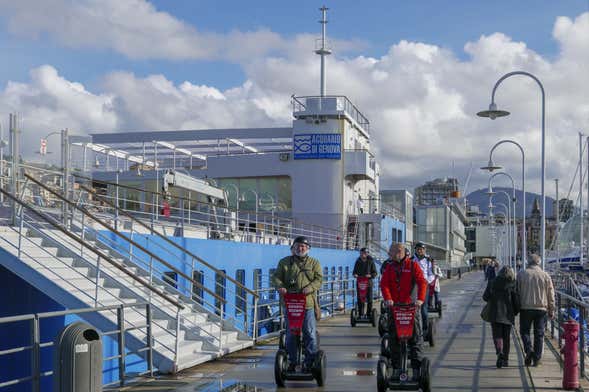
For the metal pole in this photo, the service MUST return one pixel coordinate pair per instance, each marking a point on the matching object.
(581, 145)
(557, 226)
(117, 200)
(1, 162)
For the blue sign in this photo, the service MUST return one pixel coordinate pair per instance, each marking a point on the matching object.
(317, 146)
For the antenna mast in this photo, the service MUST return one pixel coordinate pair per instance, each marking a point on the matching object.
(323, 50)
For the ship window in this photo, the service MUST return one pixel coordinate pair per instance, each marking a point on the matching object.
(197, 291)
(240, 295)
(220, 290)
(171, 278)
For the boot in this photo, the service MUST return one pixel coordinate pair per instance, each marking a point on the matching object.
(499, 362)
(505, 361)
(529, 358)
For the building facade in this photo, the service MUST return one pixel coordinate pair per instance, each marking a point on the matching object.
(436, 191)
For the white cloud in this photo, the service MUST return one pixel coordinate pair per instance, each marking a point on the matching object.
(421, 100)
(134, 28)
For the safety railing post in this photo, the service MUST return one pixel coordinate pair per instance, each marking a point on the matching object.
(20, 234)
(332, 297)
(344, 291)
(582, 340)
(97, 281)
(121, 343)
(153, 212)
(221, 327)
(149, 337)
(255, 323)
(36, 355)
(177, 341)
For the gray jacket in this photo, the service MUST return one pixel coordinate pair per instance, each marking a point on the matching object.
(535, 289)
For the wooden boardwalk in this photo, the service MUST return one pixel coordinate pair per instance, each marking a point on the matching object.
(462, 360)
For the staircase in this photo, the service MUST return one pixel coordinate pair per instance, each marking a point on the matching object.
(78, 267)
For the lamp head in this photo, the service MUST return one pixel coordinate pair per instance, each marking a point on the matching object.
(491, 166)
(493, 112)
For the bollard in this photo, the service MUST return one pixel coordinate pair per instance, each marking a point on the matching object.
(570, 375)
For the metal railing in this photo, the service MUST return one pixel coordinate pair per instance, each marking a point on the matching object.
(568, 307)
(36, 345)
(343, 104)
(151, 263)
(209, 220)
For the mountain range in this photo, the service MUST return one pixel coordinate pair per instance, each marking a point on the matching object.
(481, 199)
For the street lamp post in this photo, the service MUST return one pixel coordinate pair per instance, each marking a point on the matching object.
(490, 190)
(557, 225)
(492, 166)
(513, 236)
(506, 235)
(493, 113)
(509, 238)
(236, 203)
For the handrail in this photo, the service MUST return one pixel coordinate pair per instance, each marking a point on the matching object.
(167, 240)
(294, 221)
(94, 249)
(120, 235)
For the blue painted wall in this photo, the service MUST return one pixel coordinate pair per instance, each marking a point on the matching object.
(19, 297)
(391, 230)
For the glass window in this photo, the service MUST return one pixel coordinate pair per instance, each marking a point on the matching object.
(220, 284)
(197, 291)
(240, 295)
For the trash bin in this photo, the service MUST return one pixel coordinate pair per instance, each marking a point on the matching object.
(77, 364)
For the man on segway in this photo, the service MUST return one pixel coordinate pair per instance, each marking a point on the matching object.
(401, 277)
(365, 267)
(301, 273)
(425, 264)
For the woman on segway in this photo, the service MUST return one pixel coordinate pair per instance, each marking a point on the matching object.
(401, 276)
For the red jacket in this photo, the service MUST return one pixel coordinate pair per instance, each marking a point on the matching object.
(401, 292)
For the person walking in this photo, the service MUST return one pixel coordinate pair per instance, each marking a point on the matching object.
(503, 305)
(536, 294)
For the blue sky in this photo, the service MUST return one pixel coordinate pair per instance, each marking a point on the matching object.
(124, 65)
(378, 24)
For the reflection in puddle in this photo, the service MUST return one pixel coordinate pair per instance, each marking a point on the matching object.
(229, 386)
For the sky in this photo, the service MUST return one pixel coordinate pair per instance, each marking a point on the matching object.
(419, 70)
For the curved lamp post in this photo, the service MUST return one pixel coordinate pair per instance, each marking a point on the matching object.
(509, 240)
(490, 192)
(494, 113)
(506, 232)
(492, 166)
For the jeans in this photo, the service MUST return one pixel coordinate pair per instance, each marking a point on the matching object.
(309, 332)
(424, 313)
(414, 344)
(502, 338)
(360, 305)
(526, 319)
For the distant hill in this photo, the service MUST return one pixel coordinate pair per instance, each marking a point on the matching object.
(480, 198)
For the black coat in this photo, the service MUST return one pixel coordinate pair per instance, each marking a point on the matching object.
(503, 300)
(363, 268)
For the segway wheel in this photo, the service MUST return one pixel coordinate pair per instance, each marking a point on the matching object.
(431, 333)
(280, 366)
(374, 318)
(385, 345)
(282, 340)
(353, 317)
(382, 324)
(320, 368)
(424, 376)
(382, 381)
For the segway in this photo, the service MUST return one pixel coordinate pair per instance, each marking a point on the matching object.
(295, 314)
(369, 316)
(437, 305)
(389, 377)
(432, 320)
(384, 320)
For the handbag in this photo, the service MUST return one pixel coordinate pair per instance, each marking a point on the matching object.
(486, 313)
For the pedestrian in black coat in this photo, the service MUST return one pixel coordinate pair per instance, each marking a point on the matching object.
(504, 305)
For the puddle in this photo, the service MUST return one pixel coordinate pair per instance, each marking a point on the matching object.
(229, 386)
(359, 372)
(240, 360)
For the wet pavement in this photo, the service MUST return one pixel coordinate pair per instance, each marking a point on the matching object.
(463, 358)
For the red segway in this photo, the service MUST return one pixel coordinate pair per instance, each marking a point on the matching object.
(369, 316)
(387, 375)
(295, 314)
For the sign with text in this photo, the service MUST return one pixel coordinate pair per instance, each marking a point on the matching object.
(317, 146)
